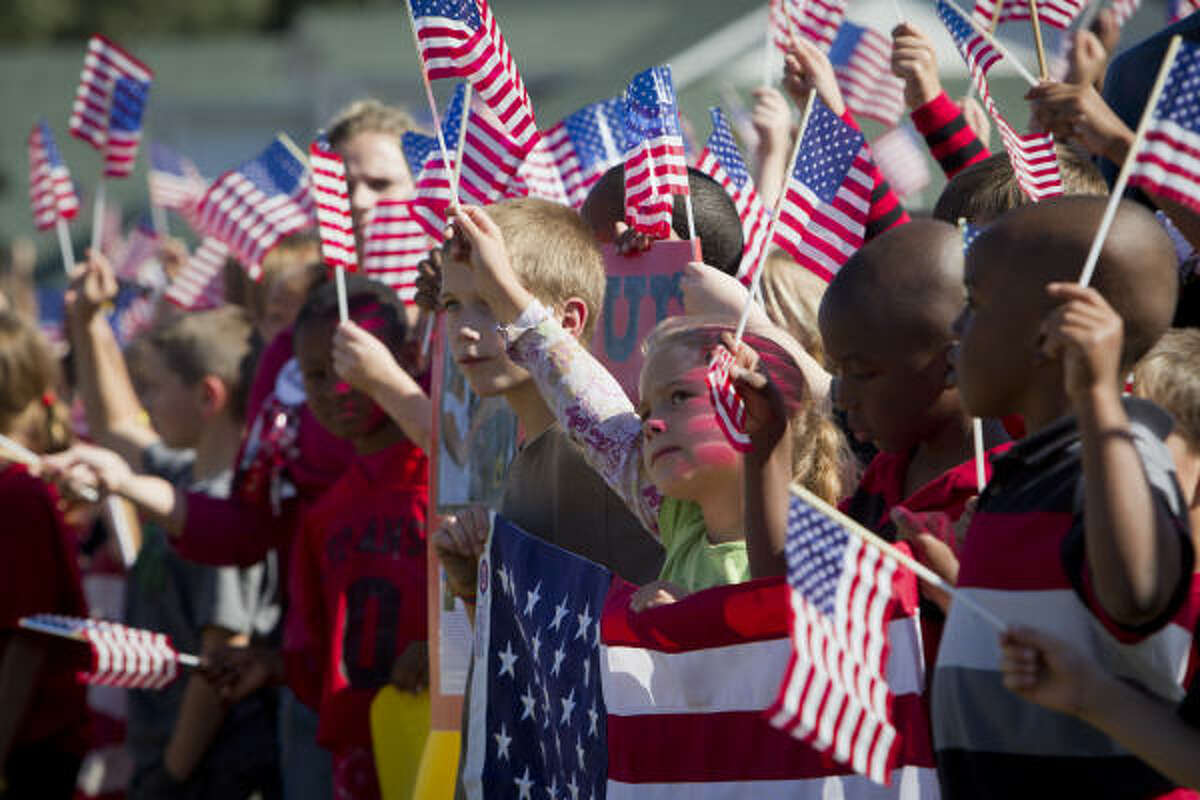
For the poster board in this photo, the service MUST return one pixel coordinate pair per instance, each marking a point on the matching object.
(640, 291)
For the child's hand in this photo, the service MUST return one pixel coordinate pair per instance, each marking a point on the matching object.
(410, 670)
(1046, 671)
(1087, 60)
(173, 254)
(1078, 112)
(766, 415)
(1085, 333)
(429, 281)
(708, 291)
(932, 537)
(458, 542)
(977, 119)
(805, 69)
(87, 465)
(656, 593)
(630, 241)
(93, 284)
(914, 60)
(481, 244)
(360, 359)
(238, 672)
(772, 120)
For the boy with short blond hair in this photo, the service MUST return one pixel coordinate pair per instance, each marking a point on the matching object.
(1082, 530)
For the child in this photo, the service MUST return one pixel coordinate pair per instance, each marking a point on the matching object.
(1052, 673)
(194, 377)
(1082, 529)
(669, 462)
(288, 270)
(358, 575)
(43, 716)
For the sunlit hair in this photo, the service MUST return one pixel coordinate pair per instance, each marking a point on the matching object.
(791, 297)
(29, 374)
(368, 116)
(1170, 375)
(821, 458)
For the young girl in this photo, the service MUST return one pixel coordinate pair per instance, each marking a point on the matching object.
(43, 717)
(669, 461)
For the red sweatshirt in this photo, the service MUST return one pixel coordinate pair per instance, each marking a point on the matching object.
(951, 140)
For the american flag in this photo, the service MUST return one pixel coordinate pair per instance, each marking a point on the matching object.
(1034, 160)
(727, 403)
(667, 702)
(130, 658)
(817, 21)
(823, 217)
(903, 159)
(109, 103)
(51, 193)
(862, 63)
(201, 282)
(1176, 10)
(136, 262)
(332, 200)
(587, 144)
(835, 693)
(393, 245)
(175, 182)
(1165, 163)
(722, 161)
(970, 232)
(655, 165)
(490, 160)
(461, 39)
(1055, 13)
(134, 317)
(538, 176)
(417, 148)
(253, 206)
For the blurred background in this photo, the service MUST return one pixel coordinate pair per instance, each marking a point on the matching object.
(230, 73)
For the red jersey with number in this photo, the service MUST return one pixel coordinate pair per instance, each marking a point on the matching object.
(358, 588)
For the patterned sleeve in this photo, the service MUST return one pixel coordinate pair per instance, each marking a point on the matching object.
(951, 140)
(594, 411)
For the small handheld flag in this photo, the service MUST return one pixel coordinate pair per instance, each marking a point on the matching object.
(655, 164)
(51, 193)
(109, 103)
(129, 658)
(586, 144)
(332, 200)
(727, 403)
(862, 64)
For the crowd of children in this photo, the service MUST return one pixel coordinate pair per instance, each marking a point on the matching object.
(275, 456)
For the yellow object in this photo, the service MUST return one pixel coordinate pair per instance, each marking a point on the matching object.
(399, 728)
(439, 766)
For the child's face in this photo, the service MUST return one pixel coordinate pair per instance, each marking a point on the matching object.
(476, 345)
(176, 409)
(895, 391)
(685, 454)
(375, 170)
(344, 411)
(998, 338)
(285, 296)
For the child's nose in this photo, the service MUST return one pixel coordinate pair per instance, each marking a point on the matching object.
(653, 427)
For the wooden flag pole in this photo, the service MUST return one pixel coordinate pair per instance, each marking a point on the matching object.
(437, 122)
(687, 198)
(1037, 40)
(996, 12)
(891, 551)
(64, 245)
(980, 468)
(295, 148)
(762, 256)
(462, 139)
(994, 42)
(98, 215)
(1110, 211)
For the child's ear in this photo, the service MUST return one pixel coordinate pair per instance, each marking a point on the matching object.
(214, 395)
(574, 316)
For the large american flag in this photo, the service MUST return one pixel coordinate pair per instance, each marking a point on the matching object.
(669, 702)
(862, 63)
(130, 658)
(175, 182)
(722, 161)
(586, 144)
(252, 206)
(200, 284)
(823, 216)
(817, 21)
(332, 200)
(655, 164)
(393, 245)
(1034, 160)
(1055, 13)
(461, 39)
(835, 693)
(51, 193)
(109, 102)
(490, 160)
(1165, 164)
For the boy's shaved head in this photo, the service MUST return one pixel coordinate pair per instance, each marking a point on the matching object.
(909, 280)
(1039, 244)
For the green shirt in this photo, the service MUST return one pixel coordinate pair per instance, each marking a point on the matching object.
(692, 561)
